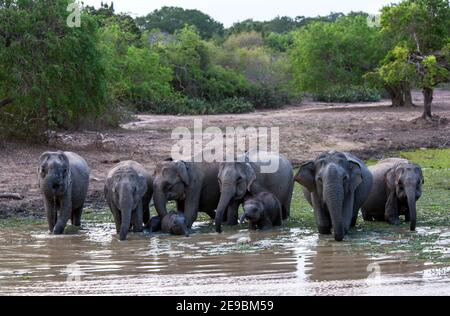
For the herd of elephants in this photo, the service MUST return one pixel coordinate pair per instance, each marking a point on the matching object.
(336, 184)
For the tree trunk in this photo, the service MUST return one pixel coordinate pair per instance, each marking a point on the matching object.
(396, 94)
(427, 101)
(408, 96)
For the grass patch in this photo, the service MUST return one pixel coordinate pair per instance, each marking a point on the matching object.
(23, 222)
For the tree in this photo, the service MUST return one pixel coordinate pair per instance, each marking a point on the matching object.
(135, 75)
(51, 74)
(172, 19)
(326, 55)
(395, 75)
(423, 26)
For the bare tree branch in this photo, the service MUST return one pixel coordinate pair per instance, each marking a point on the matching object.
(12, 196)
(6, 101)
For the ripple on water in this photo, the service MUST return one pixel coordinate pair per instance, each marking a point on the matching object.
(281, 261)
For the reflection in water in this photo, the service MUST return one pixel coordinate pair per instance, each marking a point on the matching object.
(282, 262)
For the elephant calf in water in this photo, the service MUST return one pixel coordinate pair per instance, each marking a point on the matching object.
(263, 211)
(173, 223)
(397, 185)
(64, 180)
(128, 191)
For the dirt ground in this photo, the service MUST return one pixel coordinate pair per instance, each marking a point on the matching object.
(368, 130)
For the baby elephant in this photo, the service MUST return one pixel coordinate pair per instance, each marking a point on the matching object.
(397, 185)
(64, 180)
(128, 191)
(175, 223)
(263, 211)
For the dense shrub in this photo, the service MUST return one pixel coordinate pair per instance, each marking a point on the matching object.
(228, 105)
(135, 75)
(265, 97)
(53, 73)
(349, 94)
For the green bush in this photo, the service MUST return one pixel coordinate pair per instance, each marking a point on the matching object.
(55, 74)
(234, 105)
(349, 94)
(264, 97)
(228, 105)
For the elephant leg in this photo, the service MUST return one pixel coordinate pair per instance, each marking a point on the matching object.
(211, 214)
(407, 216)
(76, 216)
(286, 206)
(232, 213)
(180, 206)
(66, 212)
(191, 215)
(137, 217)
(391, 214)
(323, 219)
(366, 216)
(146, 215)
(252, 226)
(266, 224)
(52, 213)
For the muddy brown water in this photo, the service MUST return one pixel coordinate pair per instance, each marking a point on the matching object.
(288, 261)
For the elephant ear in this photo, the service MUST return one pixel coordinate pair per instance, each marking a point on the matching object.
(355, 175)
(142, 185)
(391, 192)
(62, 156)
(418, 170)
(306, 176)
(182, 171)
(42, 166)
(250, 174)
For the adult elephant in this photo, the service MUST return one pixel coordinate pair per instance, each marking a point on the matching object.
(246, 177)
(63, 180)
(128, 191)
(193, 185)
(397, 185)
(336, 185)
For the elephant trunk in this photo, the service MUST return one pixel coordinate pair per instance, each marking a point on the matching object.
(126, 208)
(333, 194)
(411, 197)
(225, 199)
(160, 200)
(243, 218)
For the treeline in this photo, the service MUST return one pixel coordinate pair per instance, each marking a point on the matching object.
(184, 62)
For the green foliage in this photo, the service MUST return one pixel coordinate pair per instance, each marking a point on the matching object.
(228, 105)
(279, 42)
(349, 94)
(328, 54)
(423, 24)
(248, 40)
(173, 19)
(135, 75)
(54, 73)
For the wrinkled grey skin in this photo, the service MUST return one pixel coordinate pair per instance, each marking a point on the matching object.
(155, 224)
(175, 223)
(63, 180)
(336, 185)
(397, 185)
(128, 191)
(262, 211)
(192, 185)
(239, 179)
